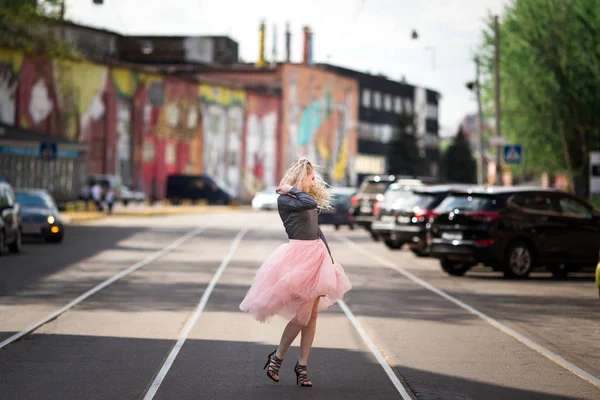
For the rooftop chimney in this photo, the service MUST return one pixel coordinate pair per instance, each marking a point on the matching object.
(274, 58)
(308, 46)
(288, 42)
(261, 56)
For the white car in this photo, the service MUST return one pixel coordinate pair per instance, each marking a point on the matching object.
(265, 199)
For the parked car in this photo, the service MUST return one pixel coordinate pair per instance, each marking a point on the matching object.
(10, 220)
(197, 187)
(514, 230)
(266, 199)
(131, 196)
(40, 216)
(385, 212)
(339, 213)
(370, 192)
(403, 218)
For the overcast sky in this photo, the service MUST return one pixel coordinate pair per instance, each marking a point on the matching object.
(366, 35)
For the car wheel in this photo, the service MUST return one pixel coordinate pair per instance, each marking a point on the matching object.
(374, 237)
(519, 261)
(15, 247)
(351, 227)
(337, 227)
(2, 243)
(393, 244)
(453, 268)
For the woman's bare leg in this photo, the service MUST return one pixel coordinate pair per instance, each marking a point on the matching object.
(308, 334)
(291, 331)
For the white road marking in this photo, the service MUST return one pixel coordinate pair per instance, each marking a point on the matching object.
(527, 342)
(183, 335)
(384, 364)
(104, 284)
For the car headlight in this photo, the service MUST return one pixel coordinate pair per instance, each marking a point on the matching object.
(51, 219)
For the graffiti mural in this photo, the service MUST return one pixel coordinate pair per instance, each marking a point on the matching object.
(223, 113)
(168, 131)
(260, 150)
(320, 120)
(81, 89)
(10, 68)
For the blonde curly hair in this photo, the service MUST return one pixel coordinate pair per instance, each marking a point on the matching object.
(298, 171)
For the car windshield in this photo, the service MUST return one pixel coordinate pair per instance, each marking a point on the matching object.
(397, 197)
(372, 187)
(422, 200)
(38, 200)
(466, 202)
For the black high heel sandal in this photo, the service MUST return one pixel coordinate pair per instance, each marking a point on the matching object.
(302, 377)
(274, 364)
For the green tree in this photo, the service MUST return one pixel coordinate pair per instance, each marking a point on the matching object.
(403, 157)
(457, 163)
(550, 83)
(31, 26)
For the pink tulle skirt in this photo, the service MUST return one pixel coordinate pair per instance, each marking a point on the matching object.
(291, 279)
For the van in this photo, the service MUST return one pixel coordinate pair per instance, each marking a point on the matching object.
(197, 187)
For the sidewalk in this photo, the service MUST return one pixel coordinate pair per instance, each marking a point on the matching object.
(146, 210)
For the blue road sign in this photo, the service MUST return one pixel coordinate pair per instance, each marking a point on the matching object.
(48, 151)
(513, 154)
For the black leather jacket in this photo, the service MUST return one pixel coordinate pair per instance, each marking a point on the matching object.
(300, 217)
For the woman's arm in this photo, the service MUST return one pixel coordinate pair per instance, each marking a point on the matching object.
(301, 201)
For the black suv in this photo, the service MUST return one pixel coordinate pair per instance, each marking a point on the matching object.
(514, 230)
(404, 219)
(10, 221)
(369, 195)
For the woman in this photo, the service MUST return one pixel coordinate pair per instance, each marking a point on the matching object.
(299, 279)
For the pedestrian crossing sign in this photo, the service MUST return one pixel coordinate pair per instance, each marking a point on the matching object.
(513, 154)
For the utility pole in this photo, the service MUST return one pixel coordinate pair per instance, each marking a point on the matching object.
(480, 179)
(497, 96)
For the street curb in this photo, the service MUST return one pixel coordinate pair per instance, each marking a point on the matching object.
(77, 216)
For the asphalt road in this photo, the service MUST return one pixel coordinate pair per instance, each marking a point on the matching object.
(171, 327)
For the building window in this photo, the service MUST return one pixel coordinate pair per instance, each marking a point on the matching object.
(370, 164)
(366, 131)
(148, 152)
(387, 103)
(377, 100)
(170, 154)
(386, 133)
(408, 107)
(366, 98)
(432, 111)
(398, 105)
